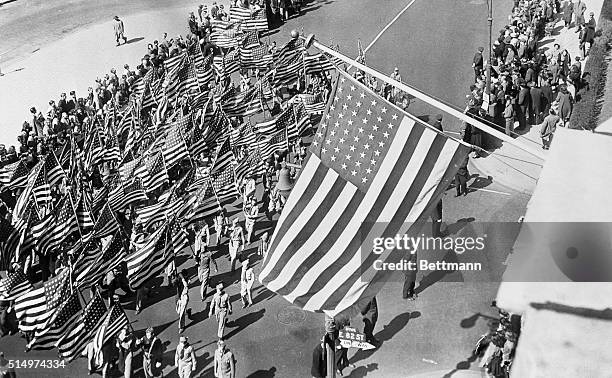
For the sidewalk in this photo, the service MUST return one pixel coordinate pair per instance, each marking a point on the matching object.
(509, 165)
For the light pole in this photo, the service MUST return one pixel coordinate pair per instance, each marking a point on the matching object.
(490, 21)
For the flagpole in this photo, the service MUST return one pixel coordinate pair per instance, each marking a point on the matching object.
(75, 214)
(310, 40)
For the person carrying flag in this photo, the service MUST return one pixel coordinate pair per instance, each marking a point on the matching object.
(236, 241)
(251, 212)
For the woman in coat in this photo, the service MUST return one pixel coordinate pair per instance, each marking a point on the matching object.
(565, 103)
(565, 62)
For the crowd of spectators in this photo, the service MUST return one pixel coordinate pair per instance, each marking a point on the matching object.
(529, 82)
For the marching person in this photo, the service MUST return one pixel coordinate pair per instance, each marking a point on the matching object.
(119, 31)
(202, 239)
(249, 188)
(221, 307)
(204, 259)
(262, 249)
(127, 347)
(251, 212)
(152, 354)
(247, 278)
(182, 289)
(225, 362)
(236, 241)
(220, 224)
(184, 358)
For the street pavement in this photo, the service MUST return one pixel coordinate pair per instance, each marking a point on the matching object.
(432, 43)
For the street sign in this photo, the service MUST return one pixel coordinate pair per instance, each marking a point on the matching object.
(351, 338)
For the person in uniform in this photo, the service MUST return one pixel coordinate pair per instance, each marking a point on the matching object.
(251, 212)
(262, 249)
(183, 299)
(152, 354)
(221, 307)
(127, 347)
(220, 224)
(247, 278)
(225, 362)
(249, 188)
(202, 238)
(236, 241)
(184, 358)
(204, 259)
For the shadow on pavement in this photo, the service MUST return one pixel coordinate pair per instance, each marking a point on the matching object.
(362, 371)
(244, 321)
(437, 275)
(264, 294)
(133, 40)
(463, 365)
(386, 334)
(270, 373)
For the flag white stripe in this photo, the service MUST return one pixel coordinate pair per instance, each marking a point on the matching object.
(370, 198)
(363, 281)
(307, 174)
(324, 227)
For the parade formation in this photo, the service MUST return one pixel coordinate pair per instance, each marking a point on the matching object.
(221, 160)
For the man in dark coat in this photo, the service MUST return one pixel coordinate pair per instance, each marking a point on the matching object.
(370, 316)
(523, 103)
(410, 276)
(535, 93)
(547, 96)
(319, 360)
(478, 63)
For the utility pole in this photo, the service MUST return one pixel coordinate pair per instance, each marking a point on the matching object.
(490, 21)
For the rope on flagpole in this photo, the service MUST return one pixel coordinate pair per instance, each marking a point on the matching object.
(310, 41)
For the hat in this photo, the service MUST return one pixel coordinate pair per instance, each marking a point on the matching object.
(592, 14)
(182, 339)
(438, 117)
(396, 69)
(116, 17)
(219, 285)
(481, 49)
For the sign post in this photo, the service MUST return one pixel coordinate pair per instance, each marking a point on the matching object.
(351, 338)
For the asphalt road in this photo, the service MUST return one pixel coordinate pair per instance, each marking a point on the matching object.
(432, 44)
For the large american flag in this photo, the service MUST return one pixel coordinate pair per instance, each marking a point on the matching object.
(201, 205)
(106, 223)
(223, 183)
(150, 259)
(175, 149)
(258, 21)
(255, 57)
(14, 285)
(374, 171)
(224, 156)
(114, 321)
(14, 174)
(47, 336)
(56, 226)
(277, 142)
(239, 13)
(72, 343)
(97, 265)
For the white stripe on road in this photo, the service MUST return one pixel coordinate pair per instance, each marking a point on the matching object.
(388, 26)
(490, 191)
